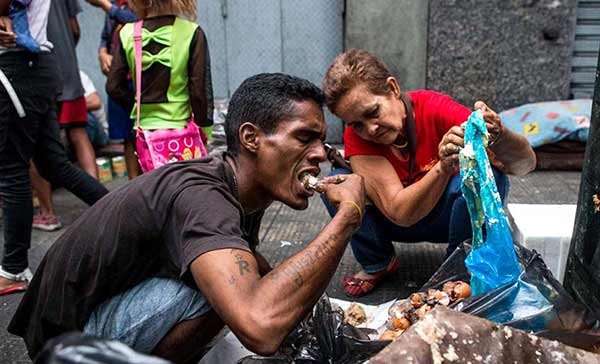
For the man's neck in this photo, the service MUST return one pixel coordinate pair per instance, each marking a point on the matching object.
(252, 195)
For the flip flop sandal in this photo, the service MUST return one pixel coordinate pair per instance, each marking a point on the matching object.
(357, 287)
(19, 287)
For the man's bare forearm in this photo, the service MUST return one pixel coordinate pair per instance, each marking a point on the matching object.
(290, 290)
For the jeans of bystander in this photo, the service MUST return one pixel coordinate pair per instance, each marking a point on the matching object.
(35, 136)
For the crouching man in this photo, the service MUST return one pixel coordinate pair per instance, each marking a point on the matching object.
(164, 261)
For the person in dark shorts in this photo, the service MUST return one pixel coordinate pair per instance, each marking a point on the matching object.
(164, 261)
(29, 131)
(63, 32)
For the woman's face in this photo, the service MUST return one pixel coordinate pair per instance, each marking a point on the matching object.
(376, 118)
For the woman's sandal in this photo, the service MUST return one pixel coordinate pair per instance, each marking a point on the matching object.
(357, 287)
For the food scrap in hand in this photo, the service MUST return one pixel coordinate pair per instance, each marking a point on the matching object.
(355, 315)
(407, 312)
(311, 182)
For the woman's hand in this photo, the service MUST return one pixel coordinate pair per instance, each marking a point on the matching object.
(448, 149)
(492, 122)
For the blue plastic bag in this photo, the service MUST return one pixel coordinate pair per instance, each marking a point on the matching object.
(493, 262)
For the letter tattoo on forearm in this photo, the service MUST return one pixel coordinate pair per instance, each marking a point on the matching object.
(294, 268)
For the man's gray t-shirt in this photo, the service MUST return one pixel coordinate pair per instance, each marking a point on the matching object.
(60, 34)
(156, 225)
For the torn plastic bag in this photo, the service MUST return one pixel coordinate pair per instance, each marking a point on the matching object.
(492, 262)
(76, 347)
(323, 337)
(556, 315)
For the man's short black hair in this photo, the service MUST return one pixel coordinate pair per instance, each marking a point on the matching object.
(264, 100)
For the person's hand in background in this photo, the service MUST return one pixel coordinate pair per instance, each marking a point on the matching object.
(105, 60)
(8, 38)
(102, 4)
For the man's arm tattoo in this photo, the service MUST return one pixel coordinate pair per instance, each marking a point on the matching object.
(242, 264)
(310, 257)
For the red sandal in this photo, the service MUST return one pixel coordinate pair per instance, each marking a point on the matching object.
(19, 287)
(21, 281)
(357, 287)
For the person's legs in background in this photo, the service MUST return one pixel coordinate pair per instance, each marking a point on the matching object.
(86, 156)
(53, 165)
(35, 84)
(131, 160)
(73, 116)
(46, 218)
(95, 132)
(120, 127)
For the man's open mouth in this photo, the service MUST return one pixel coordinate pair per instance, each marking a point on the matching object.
(309, 181)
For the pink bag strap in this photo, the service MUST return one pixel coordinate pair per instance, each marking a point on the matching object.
(137, 42)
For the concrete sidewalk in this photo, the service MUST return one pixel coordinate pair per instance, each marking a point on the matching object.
(285, 231)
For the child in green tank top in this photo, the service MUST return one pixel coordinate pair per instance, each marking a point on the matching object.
(176, 80)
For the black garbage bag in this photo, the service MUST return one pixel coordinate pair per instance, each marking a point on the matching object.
(323, 337)
(76, 347)
(536, 302)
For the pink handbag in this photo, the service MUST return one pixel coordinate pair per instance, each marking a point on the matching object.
(158, 147)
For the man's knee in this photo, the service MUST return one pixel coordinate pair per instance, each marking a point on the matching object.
(143, 315)
(187, 340)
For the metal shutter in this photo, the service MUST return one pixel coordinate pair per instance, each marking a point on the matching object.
(585, 53)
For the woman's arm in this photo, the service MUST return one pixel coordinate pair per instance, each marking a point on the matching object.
(511, 149)
(405, 206)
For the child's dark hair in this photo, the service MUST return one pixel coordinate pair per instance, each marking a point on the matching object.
(264, 100)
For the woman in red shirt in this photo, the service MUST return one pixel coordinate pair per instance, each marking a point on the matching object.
(409, 162)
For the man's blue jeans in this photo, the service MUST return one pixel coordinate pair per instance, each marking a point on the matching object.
(448, 222)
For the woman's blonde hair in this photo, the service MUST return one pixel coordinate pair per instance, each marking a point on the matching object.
(183, 8)
(352, 68)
